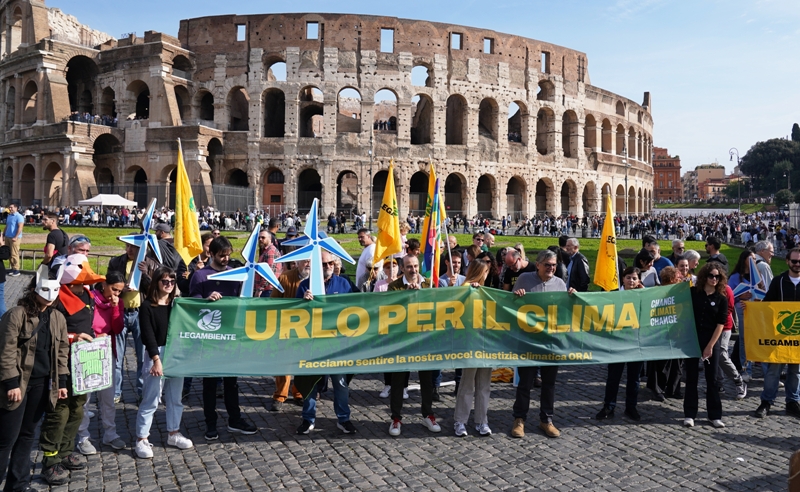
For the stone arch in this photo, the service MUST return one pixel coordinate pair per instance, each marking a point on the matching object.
(309, 186)
(139, 94)
(569, 134)
(81, 74)
(237, 177)
(108, 103)
(456, 120)
(632, 142)
(16, 29)
(422, 75)
(640, 201)
(169, 175)
(546, 92)
(544, 196)
(30, 97)
(8, 182)
(619, 199)
(272, 181)
(184, 102)
(486, 195)
(516, 197)
(621, 140)
(238, 103)
(545, 129)
(204, 102)
(590, 132)
(348, 116)
(140, 188)
(214, 153)
(589, 199)
(384, 110)
(518, 122)
(605, 191)
(620, 108)
(347, 192)
(51, 185)
(422, 120)
(418, 192)
(607, 137)
(182, 67)
(107, 155)
(639, 146)
(631, 200)
(311, 113)
(569, 198)
(274, 67)
(11, 107)
(455, 196)
(274, 104)
(27, 184)
(488, 113)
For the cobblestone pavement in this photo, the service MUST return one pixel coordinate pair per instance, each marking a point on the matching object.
(654, 454)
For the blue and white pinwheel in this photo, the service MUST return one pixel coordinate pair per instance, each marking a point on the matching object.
(751, 285)
(141, 241)
(311, 246)
(247, 273)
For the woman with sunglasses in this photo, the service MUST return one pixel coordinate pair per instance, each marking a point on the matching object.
(710, 305)
(154, 318)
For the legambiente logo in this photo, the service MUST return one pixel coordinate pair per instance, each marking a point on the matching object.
(789, 323)
(210, 320)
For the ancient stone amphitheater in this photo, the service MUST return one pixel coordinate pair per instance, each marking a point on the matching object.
(275, 110)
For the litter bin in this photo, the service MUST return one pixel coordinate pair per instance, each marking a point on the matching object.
(584, 232)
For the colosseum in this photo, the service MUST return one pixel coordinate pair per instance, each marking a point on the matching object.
(275, 110)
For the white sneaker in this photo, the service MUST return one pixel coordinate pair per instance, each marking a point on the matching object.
(741, 391)
(717, 423)
(86, 448)
(483, 429)
(687, 422)
(460, 429)
(405, 393)
(143, 449)
(394, 428)
(179, 441)
(746, 377)
(385, 392)
(430, 423)
(780, 384)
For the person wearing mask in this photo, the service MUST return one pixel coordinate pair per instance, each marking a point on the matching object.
(334, 284)
(630, 281)
(57, 240)
(60, 425)
(411, 280)
(214, 290)
(12, 235)
(710, 307)
(154, 318)
(543, 279)
(784, 287)
(34, 368)
(107, 321)
(475, 382)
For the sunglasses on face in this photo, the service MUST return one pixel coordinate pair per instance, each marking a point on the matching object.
(168, 281)
(549, 265)
(794, 262)
(715, 277)
(329, 264)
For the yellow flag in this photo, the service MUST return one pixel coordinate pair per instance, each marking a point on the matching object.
(605, 272)
(389, 240)
(774, 332)
(187, 231)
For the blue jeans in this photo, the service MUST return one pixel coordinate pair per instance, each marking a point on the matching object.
(2, 298)
(772, 376)
(153, 386)
(341, 395)
(131, 325)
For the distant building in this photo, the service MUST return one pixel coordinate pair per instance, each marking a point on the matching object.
(667, 184)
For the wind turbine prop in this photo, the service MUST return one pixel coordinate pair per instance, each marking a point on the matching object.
(247, 273)
(310, 248)
(752, 284)
(141, 241)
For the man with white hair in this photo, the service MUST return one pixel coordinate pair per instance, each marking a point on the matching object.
(578, 269)
(764, 252)
(678, 248)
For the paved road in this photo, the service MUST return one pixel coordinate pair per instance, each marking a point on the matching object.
(654, 454)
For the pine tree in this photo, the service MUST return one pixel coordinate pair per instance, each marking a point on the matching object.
(795, 133)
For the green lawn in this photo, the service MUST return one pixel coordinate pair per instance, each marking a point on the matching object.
(105, 243)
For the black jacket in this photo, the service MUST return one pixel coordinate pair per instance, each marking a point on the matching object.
(579, 275)
(782, 289)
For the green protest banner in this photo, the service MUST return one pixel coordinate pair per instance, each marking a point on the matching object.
(428, 329)
(91, 365)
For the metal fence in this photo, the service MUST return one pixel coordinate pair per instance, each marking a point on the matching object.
(225, 198)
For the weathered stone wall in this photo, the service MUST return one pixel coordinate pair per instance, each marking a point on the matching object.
(65, 27)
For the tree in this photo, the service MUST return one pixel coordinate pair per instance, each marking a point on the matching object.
(760, 160)
(795, 133)
(797, 197)
(733, 189)
(783, 198)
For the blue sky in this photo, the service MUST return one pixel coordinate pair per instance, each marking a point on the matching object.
(721, 74)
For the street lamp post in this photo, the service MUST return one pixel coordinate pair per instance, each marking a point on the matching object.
(371, 159)
(733, 151)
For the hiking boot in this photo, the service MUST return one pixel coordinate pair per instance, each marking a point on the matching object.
(73, 462)
(56, 474)
(518, 429)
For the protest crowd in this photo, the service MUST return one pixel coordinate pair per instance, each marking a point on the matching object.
(68, 302)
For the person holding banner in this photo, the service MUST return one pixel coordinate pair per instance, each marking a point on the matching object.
(154, 318)
(785, 287)
(107, 321)
(710, 306)
(34, 369)
(543, 279)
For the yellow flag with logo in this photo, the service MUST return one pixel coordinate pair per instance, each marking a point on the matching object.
(389, 241)
(187, 230)
(773, 332)
(605, 271)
